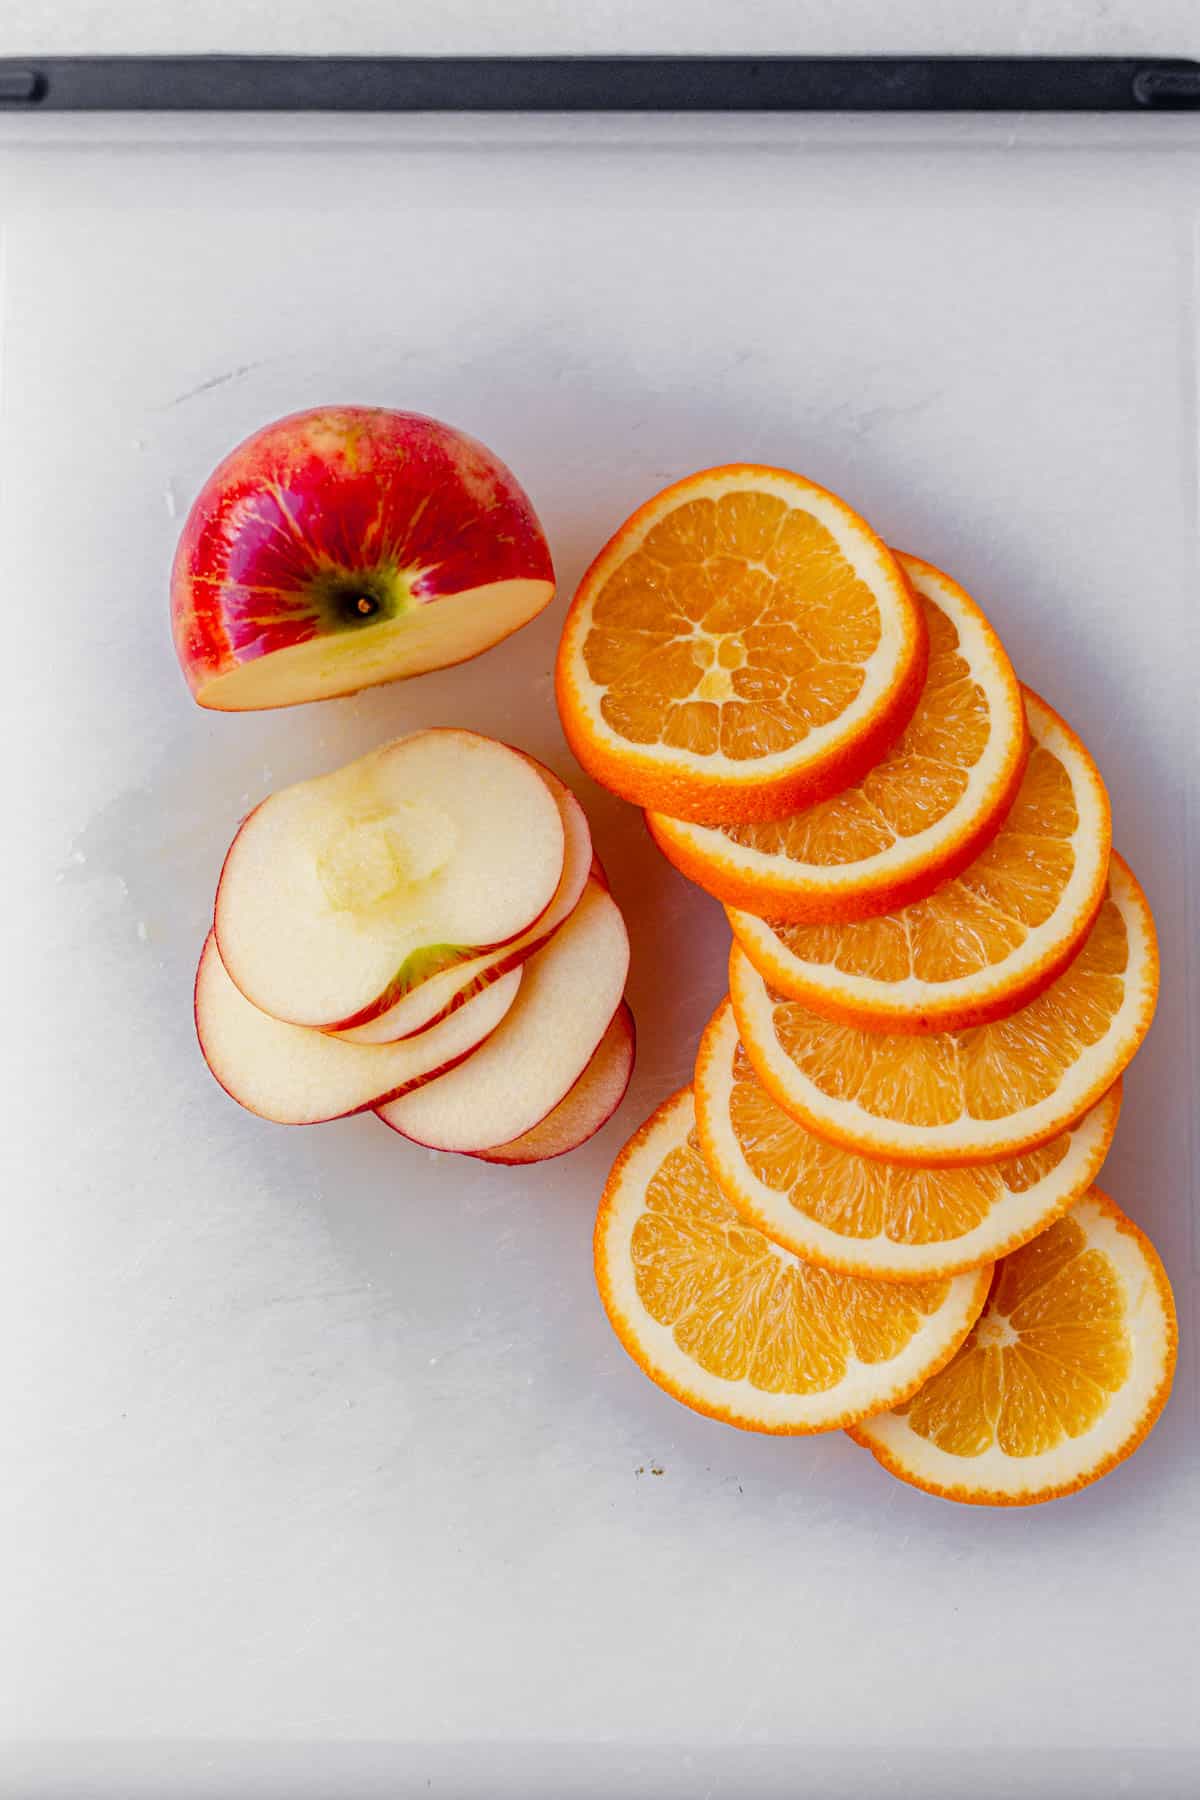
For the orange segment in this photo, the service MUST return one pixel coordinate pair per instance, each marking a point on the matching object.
(862, 1216)
(976, 1095)
(1060, 1379)
(735, 1327)
(744, 644)
(914, 819)
(741, 615)
(981, 945)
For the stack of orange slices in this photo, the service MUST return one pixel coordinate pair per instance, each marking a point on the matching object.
(874, 1207)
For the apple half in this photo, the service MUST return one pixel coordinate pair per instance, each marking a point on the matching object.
(425, 1004)
(350, 545)
(296, 1076)
(570, 992)
(342, 894)
(587, 1106)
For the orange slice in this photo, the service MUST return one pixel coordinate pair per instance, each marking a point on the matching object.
(739, 1329)
(853, 1213)
(973, 1096)
(914, 819)
(743, 645)
(980, 945)
(1066, 1371)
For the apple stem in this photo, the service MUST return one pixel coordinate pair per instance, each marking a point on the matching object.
(366, 606)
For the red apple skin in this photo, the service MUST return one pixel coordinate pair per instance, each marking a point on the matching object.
(512, 1156)
(328, 505)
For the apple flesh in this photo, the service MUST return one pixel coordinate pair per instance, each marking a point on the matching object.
(346, 546)
(571, 990)
(342, 894)
(425, 1004)
(589, 1104)
(296, 1076)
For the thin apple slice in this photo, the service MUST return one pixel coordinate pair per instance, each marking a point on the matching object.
(571, 990)
(426, 1004)
(341, 894)
(589, 1104)
(297, 1076)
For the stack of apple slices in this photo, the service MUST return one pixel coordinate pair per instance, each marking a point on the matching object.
(425, 933)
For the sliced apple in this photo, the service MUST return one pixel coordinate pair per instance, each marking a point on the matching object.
(571, 990)
(588, 1105)
(342, 894)
(424, 1005)
(350, 545)
(297, 1076)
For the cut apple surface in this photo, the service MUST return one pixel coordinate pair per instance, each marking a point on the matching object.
(589, 1104)
(425, 1004)
(342, 894)
(346, 546)
(571, 990)
(297, 1076)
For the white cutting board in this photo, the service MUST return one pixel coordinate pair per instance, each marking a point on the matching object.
(322, 1471)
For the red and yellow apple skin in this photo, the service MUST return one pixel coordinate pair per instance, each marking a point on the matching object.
(346, 546)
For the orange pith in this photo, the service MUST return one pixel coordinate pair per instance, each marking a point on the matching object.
(753, 1334)
(918, 816)
(868, 1217)
(907, 1206)
(976, 919)
(736, 627)
(1049, 1348)
(743, 642)
(920, 780)
(739, 1311)
(1060, 1378)
(982, 943)
(972, 1095)
(915, 784)
(989, 1072)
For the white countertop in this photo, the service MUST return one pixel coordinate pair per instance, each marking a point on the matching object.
(415, 27)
